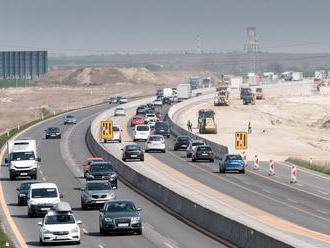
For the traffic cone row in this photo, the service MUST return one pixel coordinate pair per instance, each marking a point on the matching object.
(271, 172)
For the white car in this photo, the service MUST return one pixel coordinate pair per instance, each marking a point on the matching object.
(120, 112)
(59, 225)
(156, 143)
(116, 134)
(150, 117)
(158, 103)
(141, 132)
(122, 100)
(42, 197)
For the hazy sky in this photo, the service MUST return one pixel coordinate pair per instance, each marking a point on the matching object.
(87, 26)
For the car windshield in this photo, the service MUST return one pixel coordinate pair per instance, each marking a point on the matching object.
(120, 207)
(98, 186)
(156, 138)
(26, 186)
(53, 129)
(44, 193)
(204, 149)
(234, 157)
(162, 125)
(142, 128)
(119, 109)
(133, 148)
(69, 116)
(101, 167)
(59, 219)
(115, 128)
(259, 90)
(17, 156)
(197, 144)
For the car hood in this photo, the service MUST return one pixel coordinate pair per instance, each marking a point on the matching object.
(23, 163)
(24, 192)
(121, 214)
(44, 201)
(60, 227)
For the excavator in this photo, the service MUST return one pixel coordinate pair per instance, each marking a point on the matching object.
(222, 96)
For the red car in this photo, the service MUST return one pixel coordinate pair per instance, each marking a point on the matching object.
(158, 115)
(137, 120)
(88, 162)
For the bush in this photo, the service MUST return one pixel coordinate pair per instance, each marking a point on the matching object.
(304, 163)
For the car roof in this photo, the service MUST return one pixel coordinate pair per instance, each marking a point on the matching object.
(97, 181)
(155, 135)
(96, 159)
(130, 201)
(43, 185)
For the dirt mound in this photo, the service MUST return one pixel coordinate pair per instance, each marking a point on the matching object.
(98, 76)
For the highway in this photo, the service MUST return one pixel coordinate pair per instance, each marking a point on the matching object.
(299, 204)
(61, 164)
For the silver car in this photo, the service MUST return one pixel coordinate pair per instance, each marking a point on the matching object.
(96, 193)
(70, 119)
(120, 112)
(192, 145)
(155, 143)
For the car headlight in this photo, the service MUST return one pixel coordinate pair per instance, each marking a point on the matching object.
(111, 195)
(46, 231)
(113, 176)
(75, 230)
(33, 203)
(57, 133)
(108, 219)
(22, 195)
(135, 219)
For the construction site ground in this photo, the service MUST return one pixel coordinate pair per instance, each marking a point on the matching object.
(292, 121)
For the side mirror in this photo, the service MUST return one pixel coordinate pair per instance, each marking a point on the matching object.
(39, 159)
(6, 160)
(139, 209)
(39, 223)
(61, 195)
(79, 222)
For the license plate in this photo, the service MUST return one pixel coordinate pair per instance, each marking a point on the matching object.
(23, 174)
(122, 224)
(204, 154)
(45, 209)
(133, 156)
(60, 237)
(99, 202)
(183, 145)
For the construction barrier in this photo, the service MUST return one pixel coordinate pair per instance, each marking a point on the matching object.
(244, 158)
(293, 174)
(271, 168)
(256, 162)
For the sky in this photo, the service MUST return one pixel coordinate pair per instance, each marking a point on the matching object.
(74, 27)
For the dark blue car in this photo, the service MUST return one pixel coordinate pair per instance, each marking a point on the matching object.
(231, 162)
(162, 128)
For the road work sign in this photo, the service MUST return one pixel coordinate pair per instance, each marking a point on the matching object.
(106, 129)
(241, 140)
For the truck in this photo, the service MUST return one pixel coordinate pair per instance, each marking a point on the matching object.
(167, 92)
(321, 74)
(22, 158)
(297, 76)
(194, 82)
(222, 97)
(236, 82)
(207, 82)
(184, 91)
(249, 98)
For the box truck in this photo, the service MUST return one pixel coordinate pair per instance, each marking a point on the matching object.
(184, 91)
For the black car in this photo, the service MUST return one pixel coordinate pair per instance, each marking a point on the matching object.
(162, 128)
(102, 171)
(167, 100)
(120, 216)
(53, 132)
(22, 192)
(203, 153)
(141, 110)
(181, 142)
(133, 152)
(150, 107)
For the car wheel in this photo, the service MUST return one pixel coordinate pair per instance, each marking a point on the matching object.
(134, 140)
(29, 213)
(41, 242)
(175, 149)
(142, 159)
(83, 206)
(46, 137)
(11, 177)
(59, 136)
(146, 151)
(102, 231)
(19, 202)
(211, 160)
(124, 159)
(105, 141)
(194, 160)
(120, 141)
(163, 151)
(139, 232)
(243, 171)
(64, 123)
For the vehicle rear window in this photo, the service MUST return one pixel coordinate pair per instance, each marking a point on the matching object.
(137, 118)
(115, 129)
(156, 138)
(133, 147)
(234, 157)
(142, 128)
(198, 144)
(183, 138)
(204, 149)
(119, 109)
(162, 125)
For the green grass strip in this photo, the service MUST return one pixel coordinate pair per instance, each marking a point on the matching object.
(304, 163)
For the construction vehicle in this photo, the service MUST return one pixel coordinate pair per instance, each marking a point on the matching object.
(259, 94)
(249, 98)
(222, 97)
(244, 91)
(206, 122)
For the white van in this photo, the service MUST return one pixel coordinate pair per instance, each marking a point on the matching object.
(22, 158)
(142, 132)
(42, 197)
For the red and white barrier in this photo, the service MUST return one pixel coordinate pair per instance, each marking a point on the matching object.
(271, 168)
(244, 158)
(256, 162)
(310, 160)
(293, 174)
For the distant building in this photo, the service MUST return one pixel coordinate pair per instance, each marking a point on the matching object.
(23, 64)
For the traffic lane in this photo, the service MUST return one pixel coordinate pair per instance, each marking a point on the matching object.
(253, 190)
(175, 231)
(52, 169)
